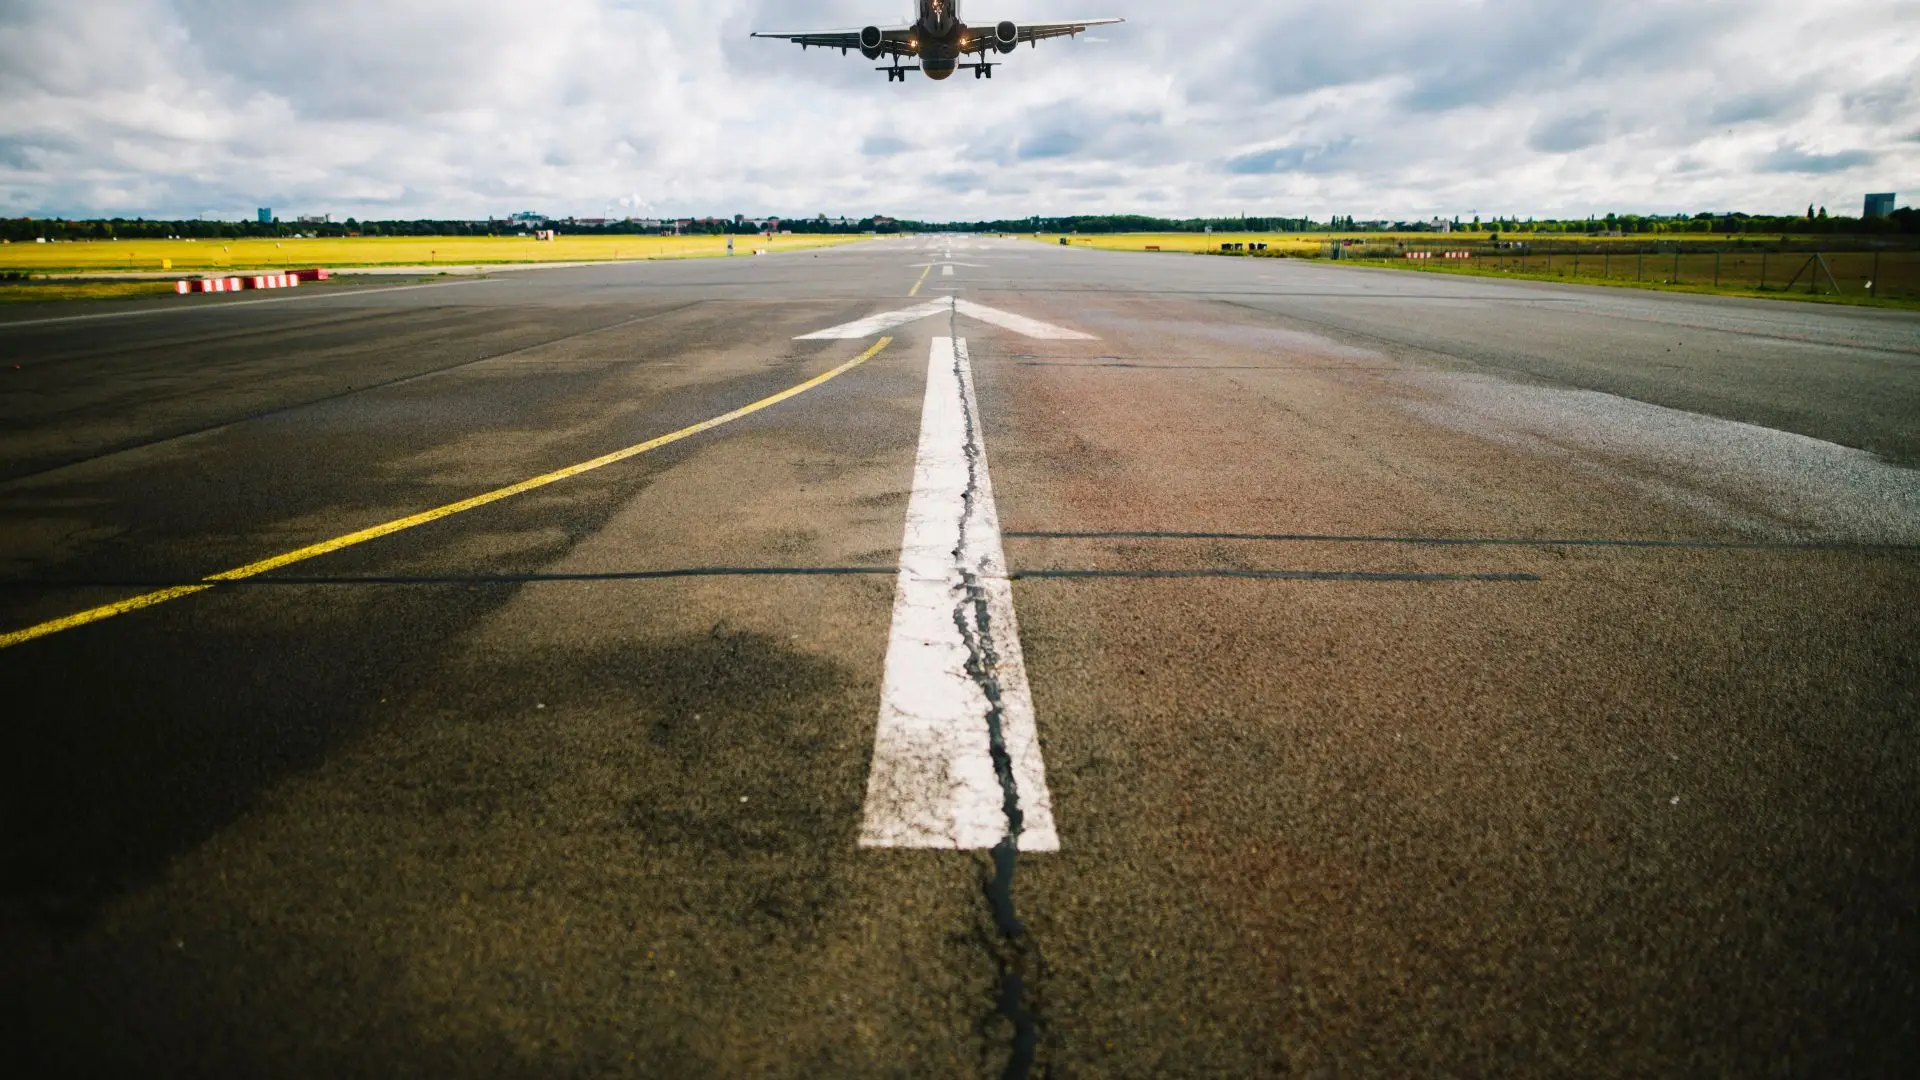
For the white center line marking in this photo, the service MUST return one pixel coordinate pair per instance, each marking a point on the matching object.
(954, 671)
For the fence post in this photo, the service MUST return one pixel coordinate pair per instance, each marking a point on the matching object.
(1639, 266)
(1763, 272)
(1873, 283)
(1676, 264)
(1576, 264)
(1716, 269)
(1606, 264)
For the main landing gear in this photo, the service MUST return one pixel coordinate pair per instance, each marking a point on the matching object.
(981, 71)
(896, 73)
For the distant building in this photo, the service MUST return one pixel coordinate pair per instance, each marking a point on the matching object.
(266, 215)
(1879, 205)
(316, 219)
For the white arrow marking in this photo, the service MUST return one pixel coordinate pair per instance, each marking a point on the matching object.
(954, 652)
(946, 270)
(1019, 324)
(873, 325)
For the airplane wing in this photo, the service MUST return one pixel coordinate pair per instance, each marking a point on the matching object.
(1036, 32)
(894, 40)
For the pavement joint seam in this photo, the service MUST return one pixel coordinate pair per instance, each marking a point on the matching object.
(474, 579)
(1017, 953)
(1476, 541)
(1274, 575)
(758, 571)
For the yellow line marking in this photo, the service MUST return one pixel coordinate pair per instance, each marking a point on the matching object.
(108, 611)
(922, 281)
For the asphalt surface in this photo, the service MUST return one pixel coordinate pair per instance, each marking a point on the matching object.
(1435, 676)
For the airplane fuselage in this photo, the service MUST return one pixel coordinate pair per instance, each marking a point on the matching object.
(936, 42)
(940, 36)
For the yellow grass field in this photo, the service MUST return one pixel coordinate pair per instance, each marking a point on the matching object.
(1891, 279)
(200, 256)
(1310, 243)
(48, 292)
(1588, 260)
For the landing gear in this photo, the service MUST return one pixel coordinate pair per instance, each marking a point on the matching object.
(897, 73)
(981, 70)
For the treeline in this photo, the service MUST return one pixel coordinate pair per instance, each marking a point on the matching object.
(1123, 223)
(1902, 222)
(30, 229)
(1816, 222)
(27, 230)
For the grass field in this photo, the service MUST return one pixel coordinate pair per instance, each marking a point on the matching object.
(1887, 279)
(47, 292)
(1746, 274)
(201, 256)
(1311, 243)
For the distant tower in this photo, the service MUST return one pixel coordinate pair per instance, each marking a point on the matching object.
(266, 215)
(1879, 205)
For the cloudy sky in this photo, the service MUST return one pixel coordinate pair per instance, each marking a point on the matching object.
(1376, 108)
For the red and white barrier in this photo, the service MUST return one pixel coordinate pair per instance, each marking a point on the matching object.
(289, 280)
(1459, 255)
(205, 285)
(1419, 254)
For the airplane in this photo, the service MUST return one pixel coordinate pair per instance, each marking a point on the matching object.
(939, 40)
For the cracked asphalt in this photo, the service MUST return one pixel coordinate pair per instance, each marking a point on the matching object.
(1435, 676)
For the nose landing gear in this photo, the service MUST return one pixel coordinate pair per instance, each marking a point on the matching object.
(897, 73)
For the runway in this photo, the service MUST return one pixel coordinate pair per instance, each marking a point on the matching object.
(936, 655)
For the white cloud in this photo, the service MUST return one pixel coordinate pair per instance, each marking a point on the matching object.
(1400, 107)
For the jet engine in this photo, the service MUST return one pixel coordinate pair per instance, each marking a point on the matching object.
(1006, 36)
(870, 41)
